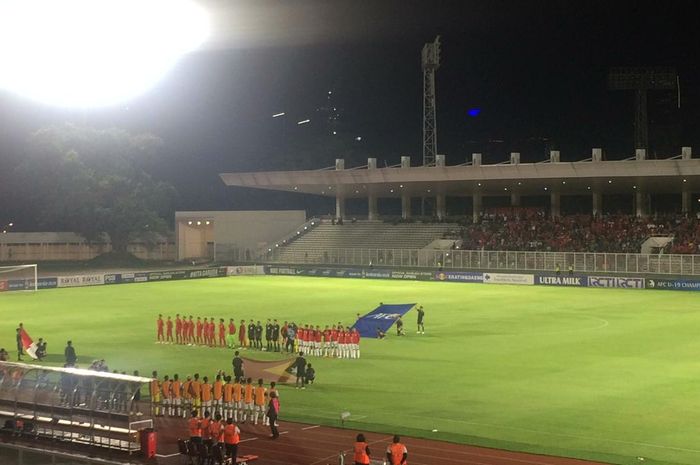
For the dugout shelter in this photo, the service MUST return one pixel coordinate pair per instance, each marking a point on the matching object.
(73, 405)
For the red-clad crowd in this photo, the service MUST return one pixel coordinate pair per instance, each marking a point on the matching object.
(579, 233)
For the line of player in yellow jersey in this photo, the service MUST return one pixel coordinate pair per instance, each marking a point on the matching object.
(231, 398)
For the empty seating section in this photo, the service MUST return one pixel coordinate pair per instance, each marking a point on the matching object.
(310, 247)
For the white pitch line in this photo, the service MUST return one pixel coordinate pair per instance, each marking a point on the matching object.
(311, 427)
(284, 432)
(249, 439)
(166, 456)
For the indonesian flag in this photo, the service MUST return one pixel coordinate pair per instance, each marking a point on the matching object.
(28, 345)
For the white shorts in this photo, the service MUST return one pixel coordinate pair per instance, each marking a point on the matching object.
(167, 401)
(317, 345)
(176, 401)
(206, 404)
(249, 406)
(238, 404)
(218, 402)
(334, 344)
(228, 405)
(259, 408)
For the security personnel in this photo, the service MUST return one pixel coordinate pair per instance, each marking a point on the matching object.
(195, 427)
(232, 436)
(361, 451)
(216, 429)
(397, 453)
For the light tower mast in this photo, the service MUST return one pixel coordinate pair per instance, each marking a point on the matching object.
(430, 60)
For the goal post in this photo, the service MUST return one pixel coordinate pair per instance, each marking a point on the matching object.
(19, 278)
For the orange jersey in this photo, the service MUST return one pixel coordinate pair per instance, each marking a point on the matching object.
(228, 392)
(231, 434)
(396, 451)
(206, 392)
(218, 390)
(175, 387)
(205, 428)
(259, 395)
(248, 393)
(237, 392)
(186, 389)
(196, 388)
(195, 427)
(216, 430)
(165, 387)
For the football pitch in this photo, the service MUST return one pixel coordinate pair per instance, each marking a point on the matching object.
(603, 374)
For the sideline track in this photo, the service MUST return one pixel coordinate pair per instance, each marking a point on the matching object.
(303, 444)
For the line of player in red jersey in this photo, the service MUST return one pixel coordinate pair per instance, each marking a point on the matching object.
(335, 341)
(332, 341)
(195, 332)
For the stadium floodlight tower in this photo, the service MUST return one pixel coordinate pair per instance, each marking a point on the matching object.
(642, 80)
(430, 60)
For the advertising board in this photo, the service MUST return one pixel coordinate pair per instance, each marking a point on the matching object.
(549, 280)
(615, 281)
(81, 280)
(673, 284)
(509, 278)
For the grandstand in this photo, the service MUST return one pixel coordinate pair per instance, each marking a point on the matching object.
(310, 247)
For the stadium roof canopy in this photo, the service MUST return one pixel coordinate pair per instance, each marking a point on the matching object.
(677, 174)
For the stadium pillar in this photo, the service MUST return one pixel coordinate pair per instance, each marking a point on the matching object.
(685, 201)
(440, 206)
(405, 206)
(597, 203)
(476, 213)
(555, 205)
(372, 207)
(339, 206)
(640, 204)
(514, 199)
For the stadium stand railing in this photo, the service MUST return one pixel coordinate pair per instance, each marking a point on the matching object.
(582, 262)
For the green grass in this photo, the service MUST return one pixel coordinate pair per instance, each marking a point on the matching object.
(593, 373)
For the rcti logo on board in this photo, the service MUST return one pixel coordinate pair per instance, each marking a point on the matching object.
(616, 281)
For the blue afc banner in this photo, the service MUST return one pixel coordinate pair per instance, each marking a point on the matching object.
(673, 284)
(381, 319)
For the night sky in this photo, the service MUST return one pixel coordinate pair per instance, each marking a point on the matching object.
(536, 71)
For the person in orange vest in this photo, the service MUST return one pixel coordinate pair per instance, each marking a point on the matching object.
(248, 400)
(206, 395)
(155, 394)
(186, 396)
(396, 453)
(260, 394)
(216, 430)
(361, 451)
(228, 398)
(165, 388)
(195, 427)
(176, 390)
(196, 391)
(218, 394)
(232, 436)
(206, 432)
(237, 399)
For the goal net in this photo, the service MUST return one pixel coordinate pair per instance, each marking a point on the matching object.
(18, 278)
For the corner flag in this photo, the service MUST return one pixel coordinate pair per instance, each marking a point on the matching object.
(28, 345)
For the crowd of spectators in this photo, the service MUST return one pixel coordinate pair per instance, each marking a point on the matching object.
(532, 229)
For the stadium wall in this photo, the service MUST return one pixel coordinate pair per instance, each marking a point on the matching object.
(67, 246)
(197, 232)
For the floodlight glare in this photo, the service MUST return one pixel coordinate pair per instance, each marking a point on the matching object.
(87, 53)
